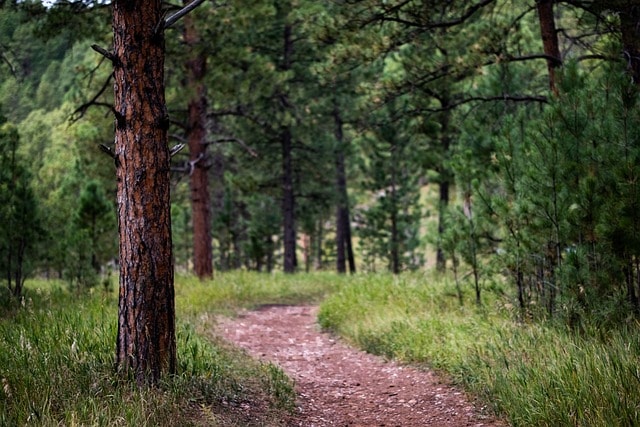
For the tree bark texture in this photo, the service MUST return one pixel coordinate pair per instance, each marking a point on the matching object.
(549, 40)
(199, 177)
(146, 346)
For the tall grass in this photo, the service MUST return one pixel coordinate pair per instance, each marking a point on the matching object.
(57, 368)
(56, 354)
(533, 374)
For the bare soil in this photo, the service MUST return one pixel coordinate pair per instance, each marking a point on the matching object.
(338, 385)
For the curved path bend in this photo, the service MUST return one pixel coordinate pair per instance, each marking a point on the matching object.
(338, 385)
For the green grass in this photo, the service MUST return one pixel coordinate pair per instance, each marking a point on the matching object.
(534, 375)
(229, 292)
(57, 351)
(57, 360)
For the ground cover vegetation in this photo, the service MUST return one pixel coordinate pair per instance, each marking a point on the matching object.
(534, 374)
(312, 132)
(58, 363)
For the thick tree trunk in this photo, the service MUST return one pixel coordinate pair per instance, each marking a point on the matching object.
(549, 40)
(199, 177)
(146, 345)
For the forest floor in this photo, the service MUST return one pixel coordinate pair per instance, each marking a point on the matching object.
(338, 385)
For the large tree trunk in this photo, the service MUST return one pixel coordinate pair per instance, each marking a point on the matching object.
(199, 178)
(146, 345)
(549, 40)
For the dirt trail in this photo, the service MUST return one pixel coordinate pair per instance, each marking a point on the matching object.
(340, 386)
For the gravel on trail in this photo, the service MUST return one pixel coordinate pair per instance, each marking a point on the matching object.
(338, 385)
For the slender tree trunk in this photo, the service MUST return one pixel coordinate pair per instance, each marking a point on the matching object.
(395, 238)
(342, 208)
(270, 250)
(445, 177)
(146, 345)
(350, 257)
(443, 202)
(199, 177)
(288, 204)
(288, 199)
(317, 263)
(549, 40)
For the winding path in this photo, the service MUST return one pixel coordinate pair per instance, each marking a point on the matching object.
(340, 386)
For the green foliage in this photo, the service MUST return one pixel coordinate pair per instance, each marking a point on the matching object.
(568, 197)
(389, 224)
(532, 374)
(19, 214)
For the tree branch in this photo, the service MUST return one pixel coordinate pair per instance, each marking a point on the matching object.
(104, 52)
(4, 57)
(81, 110)
(505, 97)
(428, 25)
(182, 12)
(237, 140)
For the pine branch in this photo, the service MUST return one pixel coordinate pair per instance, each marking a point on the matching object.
(237, 140)
(384, 17)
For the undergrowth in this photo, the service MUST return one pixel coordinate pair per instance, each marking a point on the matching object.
(57, 363)
(533, 374)
(57, 350)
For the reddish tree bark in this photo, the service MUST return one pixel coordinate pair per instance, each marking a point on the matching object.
(199, 177)
(146, 346)
(549, 40)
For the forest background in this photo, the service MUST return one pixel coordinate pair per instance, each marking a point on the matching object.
(495, 139)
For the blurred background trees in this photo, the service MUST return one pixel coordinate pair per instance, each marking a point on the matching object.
(494, 138)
